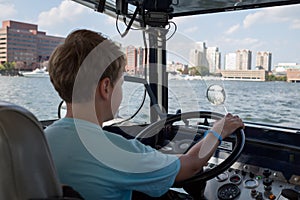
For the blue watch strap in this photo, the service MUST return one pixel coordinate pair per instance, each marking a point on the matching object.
(217, 135)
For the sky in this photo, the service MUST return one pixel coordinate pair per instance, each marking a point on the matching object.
(275, 29)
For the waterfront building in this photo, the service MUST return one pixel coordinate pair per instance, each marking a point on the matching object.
(24, 43)
(230, 61)
(243, 59)
(263, 60)
(171, 67)
(213, 57)
(293, 75)
(197, 55)
(131, 55)
(141, 62)
(281, 68)
(175, 67)
(135, 60)
(249, 75)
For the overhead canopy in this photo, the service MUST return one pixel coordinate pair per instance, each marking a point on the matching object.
(191, 7)
(188, 7)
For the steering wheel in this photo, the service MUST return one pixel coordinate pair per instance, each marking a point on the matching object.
(204, 176)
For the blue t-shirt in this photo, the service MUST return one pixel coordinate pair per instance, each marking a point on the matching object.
(102, 165)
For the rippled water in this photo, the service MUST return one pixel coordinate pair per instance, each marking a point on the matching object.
(35, 94)
(262, 102)
(276, 103)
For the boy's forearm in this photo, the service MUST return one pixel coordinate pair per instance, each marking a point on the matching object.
(197, 157)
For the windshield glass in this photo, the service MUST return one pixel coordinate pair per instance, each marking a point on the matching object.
(253, 55)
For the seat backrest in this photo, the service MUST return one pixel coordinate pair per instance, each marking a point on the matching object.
(26, 167)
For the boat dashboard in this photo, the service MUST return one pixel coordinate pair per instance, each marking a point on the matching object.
(267, 168)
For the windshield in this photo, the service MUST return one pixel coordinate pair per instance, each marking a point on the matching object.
(204, 50)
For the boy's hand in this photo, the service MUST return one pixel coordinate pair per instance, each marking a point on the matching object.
(228, 125)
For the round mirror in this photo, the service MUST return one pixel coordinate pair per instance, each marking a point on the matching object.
(216, 94)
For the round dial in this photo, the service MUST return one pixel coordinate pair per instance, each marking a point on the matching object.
(250, 183)
(228, 191)
(236, 179)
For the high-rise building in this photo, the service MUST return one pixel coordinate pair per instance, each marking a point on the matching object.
(230, 61)
(263, 60)
(213, 57)
(243, 59)
(197, 55)
(194, 59)
(23, 42)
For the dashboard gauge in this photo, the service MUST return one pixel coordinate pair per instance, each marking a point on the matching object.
(236, 179)
(222, 177)
(250, 183)
(228, 191)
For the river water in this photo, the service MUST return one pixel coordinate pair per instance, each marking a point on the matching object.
(276, 103)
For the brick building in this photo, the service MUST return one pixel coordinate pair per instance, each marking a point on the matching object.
(24, 44)
(293, 75)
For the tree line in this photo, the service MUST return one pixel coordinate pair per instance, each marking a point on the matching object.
(8, 69)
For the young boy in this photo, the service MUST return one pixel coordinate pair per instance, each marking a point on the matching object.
(87, 72)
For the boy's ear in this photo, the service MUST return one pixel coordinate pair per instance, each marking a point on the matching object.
(104, 88)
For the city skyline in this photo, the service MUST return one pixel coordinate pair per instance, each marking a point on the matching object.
(208, 57)
(271, 29)
(200, 55)
(23, 42)
(241, 59)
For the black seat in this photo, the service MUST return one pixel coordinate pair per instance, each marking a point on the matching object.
(26, 166)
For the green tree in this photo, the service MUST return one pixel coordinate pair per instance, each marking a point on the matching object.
(199, 71)
(204, 71)
(8, 66)
(272, 77)
(2, 67)
(179, 70)
(282, 78)
(194, 71)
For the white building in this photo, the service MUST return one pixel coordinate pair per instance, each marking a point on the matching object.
(281, 68)
(213, 57)
(243, 59)
(197, 55)
(263, 60)
(175, 67)
(230, 61)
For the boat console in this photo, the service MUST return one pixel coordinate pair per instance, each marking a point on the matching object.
(268, 167)
(243, 181)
